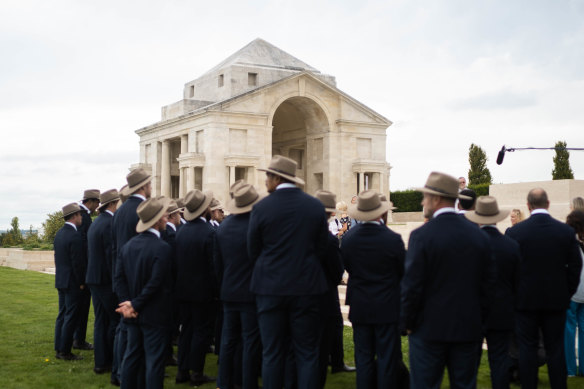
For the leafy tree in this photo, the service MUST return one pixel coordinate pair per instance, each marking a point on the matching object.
(14, 232)
(562, 169)
(479, 172)
(53, 223)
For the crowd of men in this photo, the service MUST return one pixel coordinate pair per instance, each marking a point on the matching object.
(261, 285)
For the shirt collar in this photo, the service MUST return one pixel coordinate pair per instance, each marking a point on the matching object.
(171, 225)
(203, 219)
(444, 210)
(462, 211)
(110, 212)
(183, 221)
(489, 226)
(541, 211)
(155, 232)
(84, 207)
(286, 185)
(138, 196)
(72, 225)
(372, 222)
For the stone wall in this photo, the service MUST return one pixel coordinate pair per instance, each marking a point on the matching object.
(405, 217)
(36, 260)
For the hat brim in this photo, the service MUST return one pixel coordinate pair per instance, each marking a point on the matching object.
(129, 190)
(294, 179)
(483, 219)
(189, 216)
(391, 207)
(449, 195)
(331, 210)
(71, 213)
(141, 226)
(358, 214)
(110, 201)
(235, 210)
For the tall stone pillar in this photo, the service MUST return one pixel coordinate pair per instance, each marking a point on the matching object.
(182, 182)
(231, 175)
(361, 181)
(190, 179)
(165, 169)
(184, 144)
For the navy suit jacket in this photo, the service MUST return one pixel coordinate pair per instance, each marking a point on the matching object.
(287, 239)
(124, 226)
(449, 275)
(374, 258)
(169, 236)
(507, 256)
(195, 280)
(143, 277)
(232, 263)
(333, 270)
(69, 258)
(550, 267)
(100, 251)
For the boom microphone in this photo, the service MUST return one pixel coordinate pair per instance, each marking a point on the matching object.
(501, 156)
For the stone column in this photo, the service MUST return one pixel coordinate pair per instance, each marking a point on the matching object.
(361, 181)
(184, 144)
(165, 169)
(182, 182)
(231, 175)
(190, 179)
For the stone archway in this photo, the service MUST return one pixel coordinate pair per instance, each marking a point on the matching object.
(299, 125)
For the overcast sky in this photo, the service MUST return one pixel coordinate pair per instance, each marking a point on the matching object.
(77, 78)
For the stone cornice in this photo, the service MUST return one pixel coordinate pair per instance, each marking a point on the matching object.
(242, 160)
(370, 165)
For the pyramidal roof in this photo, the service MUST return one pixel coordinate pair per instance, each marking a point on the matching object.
(261, 53)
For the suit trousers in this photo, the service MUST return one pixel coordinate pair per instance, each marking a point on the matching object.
(295, 318)
(83, 312)
(552, 325)
(104, 326)
(66, 318)
(498, 343)
(381, 341)
(120, 343)
(429, 358)
(337, 353)
(145, 356)
(197, 329)
(574, 320)
(240, 324)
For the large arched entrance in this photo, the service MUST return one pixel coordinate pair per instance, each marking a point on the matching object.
(299, 129)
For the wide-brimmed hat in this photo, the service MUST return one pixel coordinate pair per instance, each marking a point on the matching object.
(108, 196)
(384, 199)
(236, 185)
(284, 167)
(441, 184)
(197, 202)
(215, 205)
(173, 207)
(70, 209)
(123, 194)
(244, 198)
(328, 199)
(180, 202)
(369, 206)
(136, 179)
(486, 211)
(150, 211)
(90, 194)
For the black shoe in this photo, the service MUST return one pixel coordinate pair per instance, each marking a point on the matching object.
(200, 379)
(101, 370)
(69, 357)
(343, 369)
(182, 376)
(82, 346)
(114, 381)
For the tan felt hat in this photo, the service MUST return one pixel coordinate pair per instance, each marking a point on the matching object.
(123, 194)
(284, 167)
(235, 186)
(215, 205)
(197, 202)
(328, 199)
(150, 212)
(136, 179)
(384, 199)
(90, 194)
(244, 198)
(486, 211)
(108, 196)
(368, 207)
(70, 209)
(173, 207)
(442, 184)
(180, 202)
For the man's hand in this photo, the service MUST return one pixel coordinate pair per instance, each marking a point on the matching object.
(81, 287)
(126, 310)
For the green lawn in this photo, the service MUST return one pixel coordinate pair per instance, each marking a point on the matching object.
(28, 308)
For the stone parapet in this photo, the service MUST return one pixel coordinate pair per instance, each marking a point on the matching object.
(35, 260)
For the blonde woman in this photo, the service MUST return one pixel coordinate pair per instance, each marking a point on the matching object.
(344, 219)
(577, 204)
(516, 216)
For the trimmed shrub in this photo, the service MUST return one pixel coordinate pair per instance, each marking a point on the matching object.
(480, 189)
(407, 200)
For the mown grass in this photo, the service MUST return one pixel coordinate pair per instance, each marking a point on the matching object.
(28, 307)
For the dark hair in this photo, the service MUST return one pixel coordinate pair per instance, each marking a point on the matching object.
(68, 217)
(88, 200)
(468, 204)
(537, 198)
(576, 220)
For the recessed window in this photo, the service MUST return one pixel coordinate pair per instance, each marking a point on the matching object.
(252, 79)
(192, 91)
(220, 81)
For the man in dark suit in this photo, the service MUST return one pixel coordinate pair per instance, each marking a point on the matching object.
(138, 189)
(445, 290)
(287, 239)
(143, 280)
(330, 306)
(234, 269)
(549, 274)
(500, 323)
(88, 205)
(99, 279)
(196, 288)
(69, 280)
(374, 258)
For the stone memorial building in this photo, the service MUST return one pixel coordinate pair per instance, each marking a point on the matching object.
(259, 102)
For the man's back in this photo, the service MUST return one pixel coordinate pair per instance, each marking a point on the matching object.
(69, 258)
(287, 238)
(99, 242)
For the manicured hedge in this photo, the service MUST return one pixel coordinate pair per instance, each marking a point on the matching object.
(480, 189)
(407, 200)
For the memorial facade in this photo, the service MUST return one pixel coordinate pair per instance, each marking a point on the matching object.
(259, 102)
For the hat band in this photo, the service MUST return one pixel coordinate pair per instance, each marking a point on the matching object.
(437, 190)
(370, 209)
(248, 203)
(154, 215)
(282, 171)
(487, 214)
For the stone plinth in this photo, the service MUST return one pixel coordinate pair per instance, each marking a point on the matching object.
(43, 261)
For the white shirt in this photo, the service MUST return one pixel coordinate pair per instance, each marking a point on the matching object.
(155, 232)
(286, 185)
(171, 226)
(139, 196)
(540, 210)
(214, 222)
(444, 210)
(334, 226)
(84, 207)
(372, 222)
(110, 212)
(183, 221)
(72, 225)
